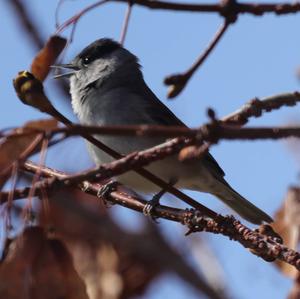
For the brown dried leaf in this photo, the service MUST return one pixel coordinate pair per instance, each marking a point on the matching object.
(37, 267)
(47, 56)
(287, 224)
(18, 147)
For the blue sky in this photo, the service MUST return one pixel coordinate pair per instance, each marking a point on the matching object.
(257, 57)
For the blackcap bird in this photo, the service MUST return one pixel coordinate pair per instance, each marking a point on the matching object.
(108, 88)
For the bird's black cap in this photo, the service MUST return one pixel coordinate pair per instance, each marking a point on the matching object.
(98, 49)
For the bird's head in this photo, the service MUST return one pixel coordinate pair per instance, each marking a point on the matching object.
(101, 60)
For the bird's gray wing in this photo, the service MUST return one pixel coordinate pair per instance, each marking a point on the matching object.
(161, 114)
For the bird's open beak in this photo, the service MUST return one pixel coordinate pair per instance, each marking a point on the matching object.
(70, 66)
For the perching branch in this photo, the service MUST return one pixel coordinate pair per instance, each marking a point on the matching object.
(266, 246)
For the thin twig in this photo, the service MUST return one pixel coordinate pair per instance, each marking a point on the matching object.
(178, 82)
(126, 23)
(27, 23)
(27, 211)
(74, 19)
(256, 107)
(11, 194)
(57, 9)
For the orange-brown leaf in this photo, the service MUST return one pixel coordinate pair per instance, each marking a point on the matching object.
(46, 57)
(37, 267)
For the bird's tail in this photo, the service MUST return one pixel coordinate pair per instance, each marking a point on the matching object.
(242, 206)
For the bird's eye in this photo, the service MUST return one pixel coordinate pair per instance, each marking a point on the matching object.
(86, 60)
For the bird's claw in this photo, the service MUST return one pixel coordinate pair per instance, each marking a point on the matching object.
(149, 208)
(105, 191)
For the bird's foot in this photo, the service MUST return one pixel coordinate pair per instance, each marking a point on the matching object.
(149, 208)
(105, 191)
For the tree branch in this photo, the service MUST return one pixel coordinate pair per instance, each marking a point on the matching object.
(253, 108)
(265, 246)
(257, 9)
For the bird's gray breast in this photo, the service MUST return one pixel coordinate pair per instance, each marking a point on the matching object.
(120, 107)
(115, 107)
